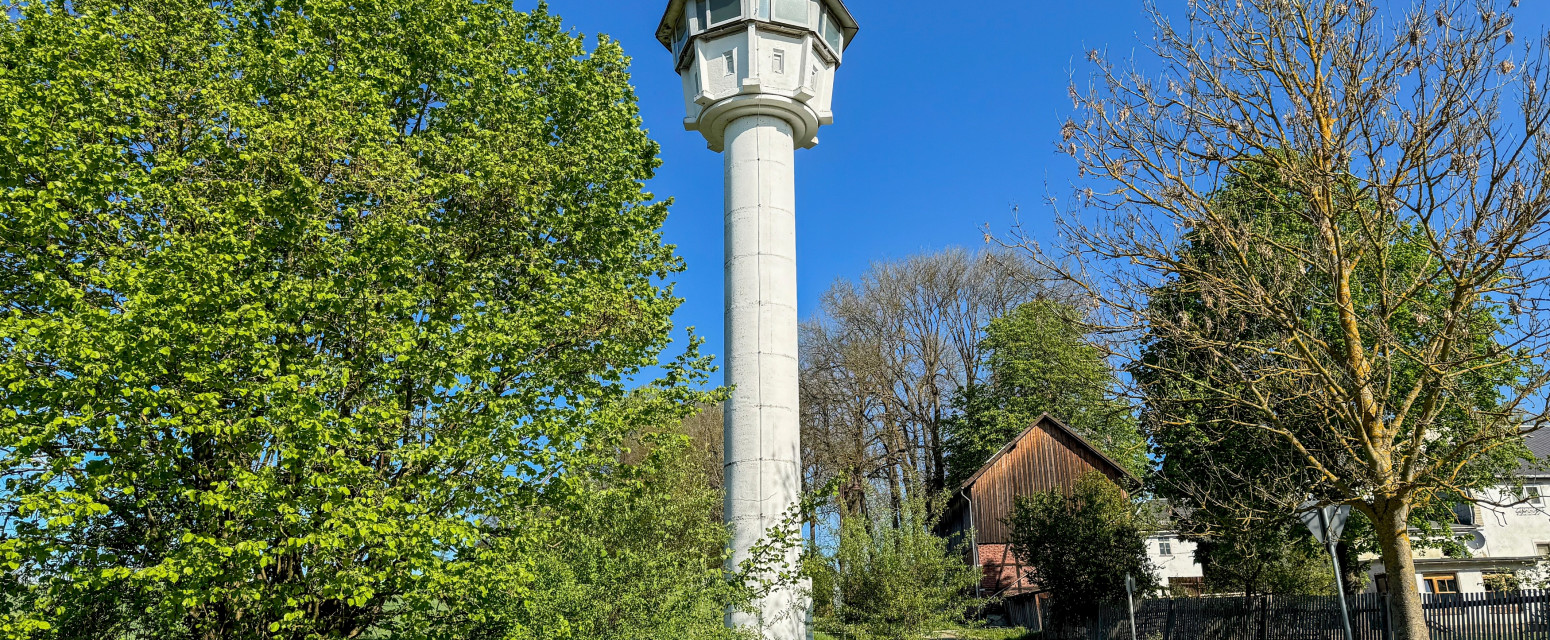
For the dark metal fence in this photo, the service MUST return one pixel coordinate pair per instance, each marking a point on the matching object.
(1515, 615)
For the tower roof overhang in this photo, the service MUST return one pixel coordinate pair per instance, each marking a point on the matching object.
(675, 8)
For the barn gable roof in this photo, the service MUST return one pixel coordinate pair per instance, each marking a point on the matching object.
(1051, 421)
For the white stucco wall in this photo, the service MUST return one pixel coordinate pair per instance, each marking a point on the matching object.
(1513, 531)
(1178, 564)
(1507, 537)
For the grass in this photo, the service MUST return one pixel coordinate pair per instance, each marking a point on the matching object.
(960, 634)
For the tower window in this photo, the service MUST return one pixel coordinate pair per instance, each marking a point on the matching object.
(778, 62)
(729, 63)
(791, 11)
(724, 10)
(831, 32)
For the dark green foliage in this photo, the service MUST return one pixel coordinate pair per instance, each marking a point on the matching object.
(1082, 545)
(1222, 389)
(1040, 362)
(1279, 558)
(315, 314)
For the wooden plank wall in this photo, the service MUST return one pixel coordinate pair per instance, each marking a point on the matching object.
(1047, 458)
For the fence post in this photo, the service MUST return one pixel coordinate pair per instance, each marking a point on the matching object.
(1388, 616)
(1264, 617)
(1168, 624)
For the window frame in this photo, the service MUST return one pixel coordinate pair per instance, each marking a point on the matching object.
(710, 18)
(1165, 547)
(827, 27)
(1464, 514)
(804, 5)
(1535, 497)
(1432, 581)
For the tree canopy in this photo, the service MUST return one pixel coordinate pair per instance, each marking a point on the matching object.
(313, 311)
(1040, 360)
(1408, 152)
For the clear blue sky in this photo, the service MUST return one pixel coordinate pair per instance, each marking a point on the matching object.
(946, 115)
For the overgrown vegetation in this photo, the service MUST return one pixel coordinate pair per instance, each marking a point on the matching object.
(1082, 545)
(892, 578)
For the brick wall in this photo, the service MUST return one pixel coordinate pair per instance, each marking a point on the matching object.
(1004, 575)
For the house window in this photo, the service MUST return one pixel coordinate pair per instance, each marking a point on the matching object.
(1542, 549)
(1533, 496)
(1381, 581)
(793, 11)
(1165, 548)
(1464, 514)
(1442, 584)
(724, 10)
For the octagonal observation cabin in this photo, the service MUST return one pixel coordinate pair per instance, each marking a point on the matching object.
(741, 57)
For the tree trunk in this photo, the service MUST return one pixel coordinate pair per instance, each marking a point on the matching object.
(938, 473)
(1391, 517)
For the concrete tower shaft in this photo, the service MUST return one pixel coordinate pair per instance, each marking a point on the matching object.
(758, 78)
(763, 445)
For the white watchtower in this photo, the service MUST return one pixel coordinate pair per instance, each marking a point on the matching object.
(758, 77)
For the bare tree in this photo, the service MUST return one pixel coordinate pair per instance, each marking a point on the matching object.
(883, 361)
(1406, 281)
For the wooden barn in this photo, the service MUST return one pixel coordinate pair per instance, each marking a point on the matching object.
(1048, 455)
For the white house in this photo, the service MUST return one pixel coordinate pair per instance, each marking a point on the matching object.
(1173, 559)
(1502, 540)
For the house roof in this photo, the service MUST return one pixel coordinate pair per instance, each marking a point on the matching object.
(1538, 442)
(1050, 420)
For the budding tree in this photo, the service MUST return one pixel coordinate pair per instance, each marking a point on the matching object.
(1372, 299)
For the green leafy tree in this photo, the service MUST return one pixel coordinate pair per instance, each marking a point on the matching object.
(1237, 483)
(1280, 560)
(893, 579)
(1407, 141)
(313, 312)
(1040, 361)
(636, 556)
(1082, 545)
